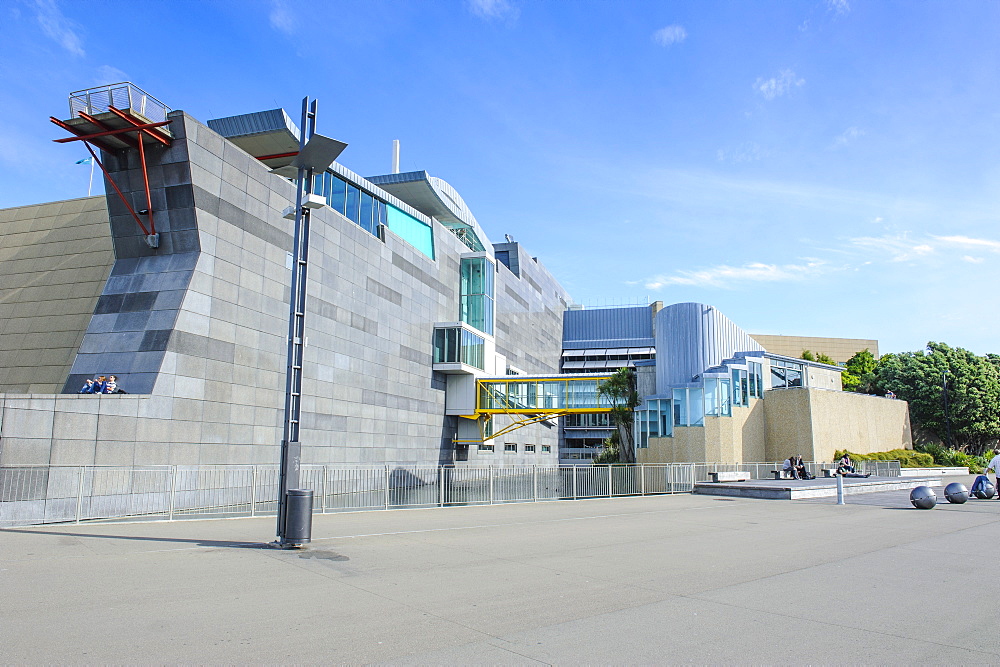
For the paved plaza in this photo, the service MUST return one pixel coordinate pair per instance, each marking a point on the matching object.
(667, 579)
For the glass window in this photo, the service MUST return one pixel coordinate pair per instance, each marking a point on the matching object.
(485, 447)
(337, 198)
(453, 345)
(408, 228)
(476, 283)
(529, 449)
(510, 447)
(353, 204)
(546, 449)
(367, 220)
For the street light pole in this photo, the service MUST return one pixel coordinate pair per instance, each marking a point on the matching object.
(944, 393)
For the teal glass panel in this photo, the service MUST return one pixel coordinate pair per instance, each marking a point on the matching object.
(411, 230)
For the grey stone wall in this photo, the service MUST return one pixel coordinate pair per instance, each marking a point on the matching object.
(198, 327)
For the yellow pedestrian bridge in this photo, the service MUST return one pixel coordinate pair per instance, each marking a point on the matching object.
(530, 399)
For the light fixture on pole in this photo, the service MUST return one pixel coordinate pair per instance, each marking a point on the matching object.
(316, 154)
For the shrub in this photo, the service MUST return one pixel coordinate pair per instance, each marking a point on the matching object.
(907, 458)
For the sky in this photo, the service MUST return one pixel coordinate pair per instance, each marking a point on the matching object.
(814, 168)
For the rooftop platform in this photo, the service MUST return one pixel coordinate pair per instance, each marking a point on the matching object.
(796, 489)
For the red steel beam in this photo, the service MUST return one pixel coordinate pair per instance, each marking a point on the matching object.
(276, 156)
(139, 126)
(127, 139)
(87, 137)
(120, 195)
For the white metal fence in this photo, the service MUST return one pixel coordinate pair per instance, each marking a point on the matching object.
(55, 494)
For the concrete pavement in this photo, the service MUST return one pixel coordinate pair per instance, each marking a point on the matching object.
(662, 579)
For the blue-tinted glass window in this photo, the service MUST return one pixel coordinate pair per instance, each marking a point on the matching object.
(367, 219)
(353, 204)
(337, 197)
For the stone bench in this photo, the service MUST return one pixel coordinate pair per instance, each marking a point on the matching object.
(781, 474)
(739, 476)
(829, 472)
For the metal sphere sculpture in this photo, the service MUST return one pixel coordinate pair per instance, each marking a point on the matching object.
(956, 493)
(923, 498)
(986, 491)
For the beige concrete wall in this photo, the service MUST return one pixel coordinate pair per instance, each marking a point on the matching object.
(839, 349)
(789, 424)
(824, 378)
(56, 258)
(858, 422)
(721, 440)
(815, 423)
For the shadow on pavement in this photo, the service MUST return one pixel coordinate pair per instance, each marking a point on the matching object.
(199, 542)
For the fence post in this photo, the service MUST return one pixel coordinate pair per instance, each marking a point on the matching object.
(491, 484)
(642, 479)
(322, 486)
(79, 494)
(441, 473)
(387, 480)
(173, 489)
(610, 482)
(253, 491)
(573, 468)
(534, 483)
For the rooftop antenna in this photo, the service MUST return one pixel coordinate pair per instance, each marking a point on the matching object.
(395, 156)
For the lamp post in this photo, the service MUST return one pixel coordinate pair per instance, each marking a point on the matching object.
(944, 394)
(316, 154)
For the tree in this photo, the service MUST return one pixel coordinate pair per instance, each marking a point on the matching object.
(859, 373)
(818, 357)
(621, 392)
(952, 393)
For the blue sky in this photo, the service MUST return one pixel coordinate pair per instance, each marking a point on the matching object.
(821, 168)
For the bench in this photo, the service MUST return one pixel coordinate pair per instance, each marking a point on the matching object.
(740, 476)
(829, 472)
(781, 474)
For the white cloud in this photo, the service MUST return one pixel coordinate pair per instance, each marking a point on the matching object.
(281, 17)
(895, 248)
(725, 276)
(838, 6)
(494, 10)
(972, 260)
(745, 152)
(968, 242)
(848, 135)
(778, 85)
(57, 27)
(672, 34)
(107, 74)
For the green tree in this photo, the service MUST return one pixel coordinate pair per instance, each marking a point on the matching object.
(620, 392)
(859, 373)
(952, 393)
(818, 357)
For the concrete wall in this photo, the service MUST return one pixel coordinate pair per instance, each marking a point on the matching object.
(55, 259)
(816, 423)
(721, 440)
(812, 423)
(199, 328)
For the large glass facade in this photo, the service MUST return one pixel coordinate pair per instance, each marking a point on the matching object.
(717, 399)
(369, 212)
(689, 406)
(654, 421)
(476, 303)
(454, 345)
(786, 374)
(530, 395)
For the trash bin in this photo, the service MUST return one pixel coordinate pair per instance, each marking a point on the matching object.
(298, 516)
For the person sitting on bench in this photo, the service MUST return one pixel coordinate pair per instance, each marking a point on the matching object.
(845, 465)
(788, 468)
(800, 469)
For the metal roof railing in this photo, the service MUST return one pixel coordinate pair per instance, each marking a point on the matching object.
(124, 95)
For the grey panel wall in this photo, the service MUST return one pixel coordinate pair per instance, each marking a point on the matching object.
(692, 337)
(608, 327)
